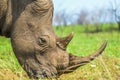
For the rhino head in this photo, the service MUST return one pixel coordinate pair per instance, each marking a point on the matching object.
(38, 49)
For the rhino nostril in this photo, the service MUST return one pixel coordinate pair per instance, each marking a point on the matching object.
(37, 74)
(44, 73)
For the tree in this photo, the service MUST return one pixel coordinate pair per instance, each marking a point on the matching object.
(61, 18)
(114, 9)
(82, 17)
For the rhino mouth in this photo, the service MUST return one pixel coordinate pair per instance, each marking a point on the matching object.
(36, 70)
(42, 73)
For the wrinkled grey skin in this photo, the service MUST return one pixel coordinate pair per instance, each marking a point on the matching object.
(39, 51)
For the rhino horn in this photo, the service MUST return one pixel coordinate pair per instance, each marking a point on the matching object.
(76, 62)
(63, 42)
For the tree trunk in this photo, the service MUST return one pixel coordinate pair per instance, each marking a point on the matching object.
(118, 26)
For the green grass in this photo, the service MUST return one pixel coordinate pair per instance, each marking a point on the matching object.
(105, 67)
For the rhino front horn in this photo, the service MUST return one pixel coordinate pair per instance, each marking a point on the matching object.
(76, 62)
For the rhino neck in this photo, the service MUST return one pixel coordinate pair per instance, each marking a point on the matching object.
(3, 7)
(11, 11)
(5, 17)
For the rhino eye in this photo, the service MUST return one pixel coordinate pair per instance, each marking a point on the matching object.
(42, 41)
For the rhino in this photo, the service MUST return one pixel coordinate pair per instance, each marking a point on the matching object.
(40, 52)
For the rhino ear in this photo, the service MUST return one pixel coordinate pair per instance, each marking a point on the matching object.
(63, 42)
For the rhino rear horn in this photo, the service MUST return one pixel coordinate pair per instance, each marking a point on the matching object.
(63, 42)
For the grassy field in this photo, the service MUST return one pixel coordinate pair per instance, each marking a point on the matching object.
(105, 67)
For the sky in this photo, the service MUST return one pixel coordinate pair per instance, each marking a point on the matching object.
(75, 6)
